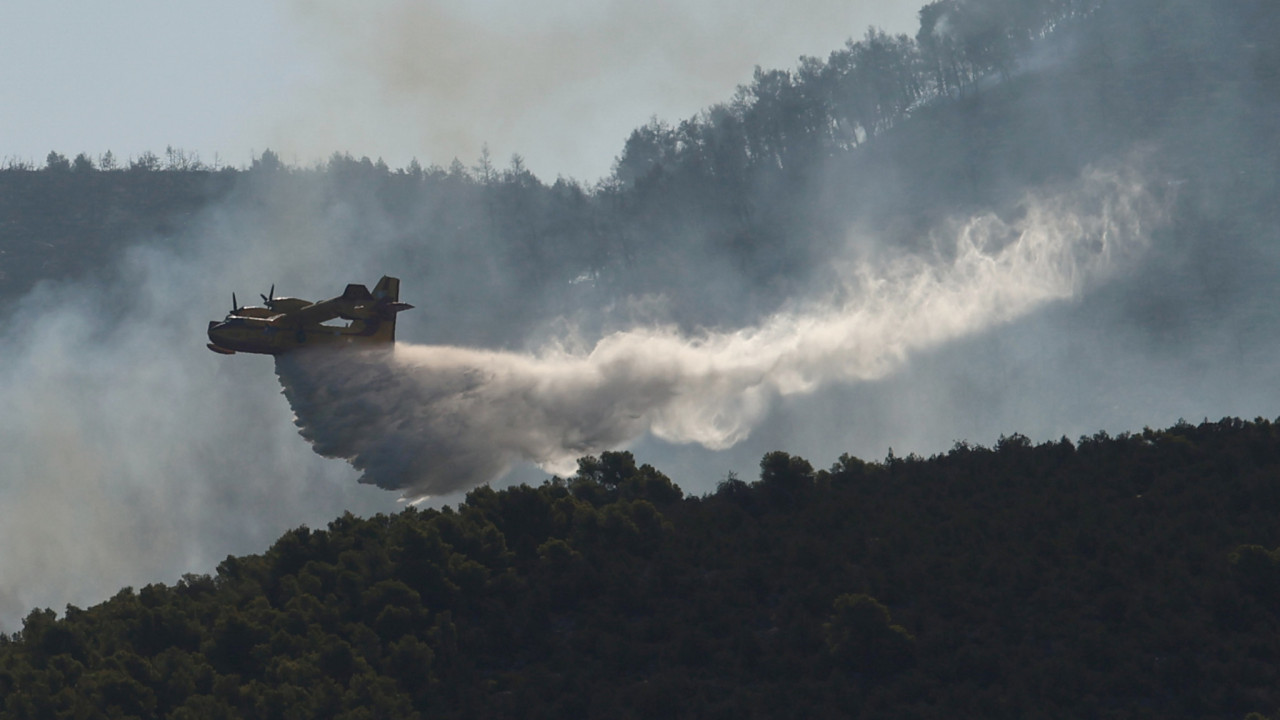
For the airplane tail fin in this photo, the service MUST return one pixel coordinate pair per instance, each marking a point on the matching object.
(387, 295)
(388, 288)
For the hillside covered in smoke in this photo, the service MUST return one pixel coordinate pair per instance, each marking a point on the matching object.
(1114, 577)
(724, 217)
(1035, 217)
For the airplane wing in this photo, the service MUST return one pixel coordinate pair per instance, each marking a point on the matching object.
(355, 303)
(313, 314)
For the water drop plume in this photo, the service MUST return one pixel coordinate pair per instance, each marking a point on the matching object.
(431, 420)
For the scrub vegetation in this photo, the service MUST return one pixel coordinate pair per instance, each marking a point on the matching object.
(1124, 576)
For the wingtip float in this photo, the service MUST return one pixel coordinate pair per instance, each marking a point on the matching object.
(281, 325)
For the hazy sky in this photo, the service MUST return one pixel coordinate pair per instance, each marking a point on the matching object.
(562, 83)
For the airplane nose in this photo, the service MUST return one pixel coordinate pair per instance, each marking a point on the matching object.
(216, 330)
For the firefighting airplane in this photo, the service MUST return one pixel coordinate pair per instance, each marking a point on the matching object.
(285, 324)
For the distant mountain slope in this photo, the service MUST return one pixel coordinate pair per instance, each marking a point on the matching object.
(732, 213)
(63, 224)
(1111, 577)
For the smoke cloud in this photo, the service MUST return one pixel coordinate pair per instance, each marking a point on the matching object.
(561, 83)
(432, 420)
(131, 454)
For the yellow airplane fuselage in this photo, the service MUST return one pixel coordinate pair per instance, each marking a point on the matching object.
(257, 335)
(288, 324)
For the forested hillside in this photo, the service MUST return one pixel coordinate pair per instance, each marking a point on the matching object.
(1121, 577)
(731, 213)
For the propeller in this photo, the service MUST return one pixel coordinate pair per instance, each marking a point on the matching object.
(234, 305)
(270, 296)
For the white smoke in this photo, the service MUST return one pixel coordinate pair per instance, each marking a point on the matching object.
(561, 83)
(129, 453)
(132, 455)
(431, 420)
